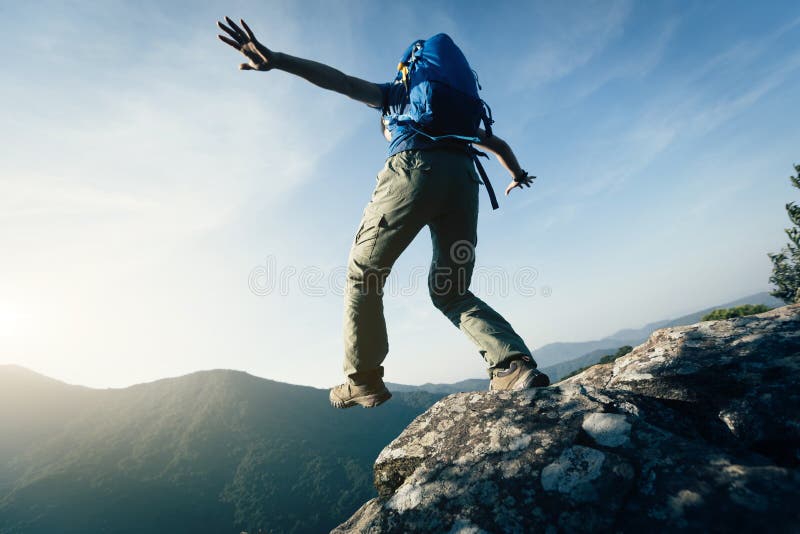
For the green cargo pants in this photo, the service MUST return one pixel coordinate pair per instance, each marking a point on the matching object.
(437, 188)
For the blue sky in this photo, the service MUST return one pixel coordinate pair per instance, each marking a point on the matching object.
(144, 179)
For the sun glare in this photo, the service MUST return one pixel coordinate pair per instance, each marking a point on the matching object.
(12, 320)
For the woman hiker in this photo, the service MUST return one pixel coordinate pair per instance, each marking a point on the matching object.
(425, 182)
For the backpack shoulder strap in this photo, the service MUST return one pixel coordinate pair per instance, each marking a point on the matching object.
(486, 117)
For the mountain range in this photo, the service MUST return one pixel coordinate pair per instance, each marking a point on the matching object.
(213, 451)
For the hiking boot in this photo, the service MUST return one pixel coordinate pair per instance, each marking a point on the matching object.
(521, 374)
(366, 395)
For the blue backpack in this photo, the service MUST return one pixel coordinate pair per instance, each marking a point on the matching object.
(442, 93)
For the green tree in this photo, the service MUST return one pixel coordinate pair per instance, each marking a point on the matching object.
(622, 351)
(786, 263)
(738, 311)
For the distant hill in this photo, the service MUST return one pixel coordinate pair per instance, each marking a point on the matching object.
(555, 353)
(471, 384)
(637, 336)
(644, 332)
(560, 370)
(214, 451)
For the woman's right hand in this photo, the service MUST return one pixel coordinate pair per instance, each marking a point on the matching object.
(522, 180)
(260, 57)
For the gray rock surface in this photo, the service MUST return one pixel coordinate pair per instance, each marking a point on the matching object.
(697, 429)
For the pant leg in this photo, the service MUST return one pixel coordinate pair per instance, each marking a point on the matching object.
(400, 207)
(454, 237)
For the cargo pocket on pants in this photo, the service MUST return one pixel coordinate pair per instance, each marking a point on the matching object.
(367, 235)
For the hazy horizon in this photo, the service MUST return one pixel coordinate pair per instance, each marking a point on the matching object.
(156, 379)
(153, 196)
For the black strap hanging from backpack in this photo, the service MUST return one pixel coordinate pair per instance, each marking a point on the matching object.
(475, 153)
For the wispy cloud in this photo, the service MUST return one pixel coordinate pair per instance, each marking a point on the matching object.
(570, 40)
(154, 155)
(742, 54)
(694, 105)
(638, 64)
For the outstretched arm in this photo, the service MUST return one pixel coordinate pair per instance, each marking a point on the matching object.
(507, 159)
(262, 58)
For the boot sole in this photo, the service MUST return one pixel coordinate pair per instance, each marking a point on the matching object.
(367, 401)
(531, 379)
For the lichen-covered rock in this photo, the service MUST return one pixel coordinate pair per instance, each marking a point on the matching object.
(697, 429)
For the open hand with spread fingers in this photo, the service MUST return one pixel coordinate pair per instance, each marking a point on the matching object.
(524, 180)
(260, 57)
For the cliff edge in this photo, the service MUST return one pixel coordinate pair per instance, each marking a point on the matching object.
(697, 429)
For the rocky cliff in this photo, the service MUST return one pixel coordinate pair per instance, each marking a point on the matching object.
(697, 429)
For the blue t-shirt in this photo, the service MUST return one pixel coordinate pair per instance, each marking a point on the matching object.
(395, 101)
